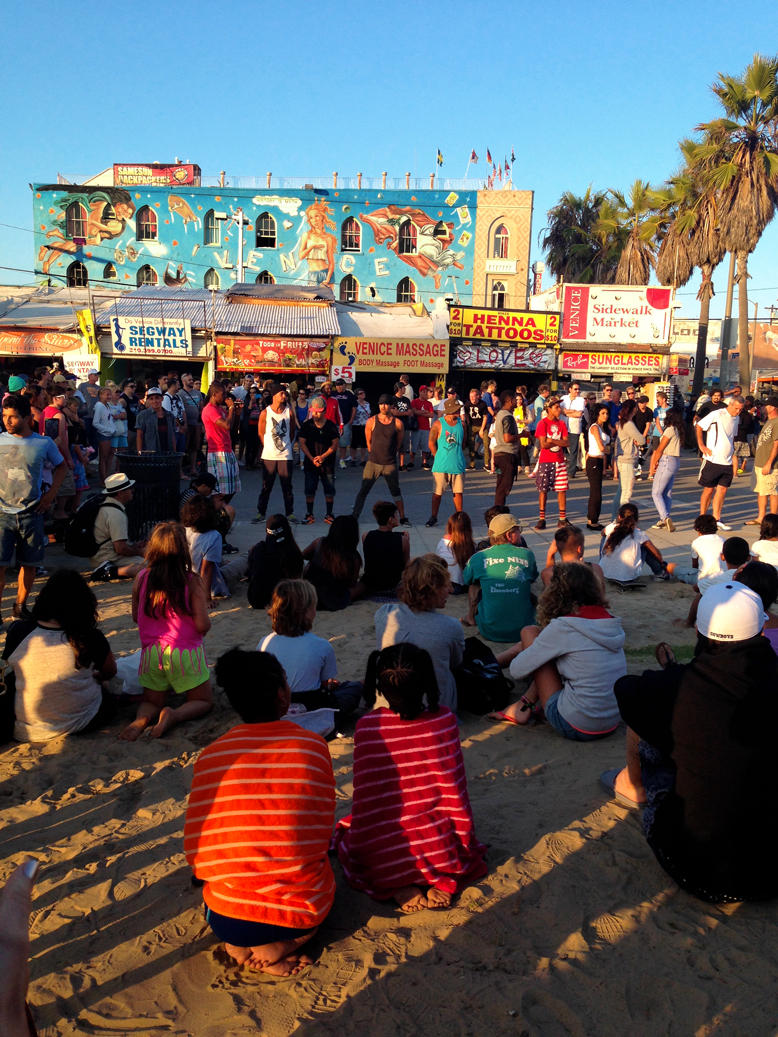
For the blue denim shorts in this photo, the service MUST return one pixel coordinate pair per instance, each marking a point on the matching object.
(312, 481)
(21, 533)
(561, 726)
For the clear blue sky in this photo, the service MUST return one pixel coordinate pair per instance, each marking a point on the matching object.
(583, 92)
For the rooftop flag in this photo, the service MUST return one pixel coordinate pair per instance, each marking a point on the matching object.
(489, 157)
(473, 156)
(440, 157)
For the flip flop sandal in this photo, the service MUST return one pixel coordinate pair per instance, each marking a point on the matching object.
(752, 522)
(670, 654)
(608, 782)
(505, 719)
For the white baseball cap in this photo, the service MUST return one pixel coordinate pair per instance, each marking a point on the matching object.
(730, 612)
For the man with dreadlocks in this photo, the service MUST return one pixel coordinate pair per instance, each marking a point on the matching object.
(277, 427)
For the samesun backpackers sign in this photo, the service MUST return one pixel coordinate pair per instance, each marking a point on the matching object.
(616, 315)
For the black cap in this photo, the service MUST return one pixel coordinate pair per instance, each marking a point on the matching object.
(340, 381)
(386, 398)
(771, 401)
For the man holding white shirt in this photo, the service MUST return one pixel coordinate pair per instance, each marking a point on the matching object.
(572, 410)
(716, 471)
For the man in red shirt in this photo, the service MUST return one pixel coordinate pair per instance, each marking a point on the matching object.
(332, 413)
(551, 435)
(423, 411)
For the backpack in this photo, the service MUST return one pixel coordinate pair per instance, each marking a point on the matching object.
(80, 531)
(481, 686)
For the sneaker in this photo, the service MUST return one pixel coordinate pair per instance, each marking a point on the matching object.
(664, 577)
(431, 521)
(650, 478)
(405, 521)
(40, 571)
(401, 468)
(21, 612)
(408, 467)
(596, 527)
(342, 464)
(425, 467)
(309, 519)
(564, 522)
(294, 521)
(669, 525)
(723, 525)
(103, 573)
(540, 524)
(241, 464)
(328, 520)
(471, 466)
(229, 549)
(259, 517)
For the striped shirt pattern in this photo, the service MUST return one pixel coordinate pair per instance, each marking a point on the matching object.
(411, 821)
(258, 824)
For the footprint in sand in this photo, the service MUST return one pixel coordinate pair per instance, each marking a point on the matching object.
(551, 1017)
(126, 888)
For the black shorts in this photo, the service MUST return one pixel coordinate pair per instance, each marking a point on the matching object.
(715, 475)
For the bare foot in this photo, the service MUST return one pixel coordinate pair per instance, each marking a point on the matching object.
(134, 730)
(410, 898)
(288, 966)
(623, 785)
(437, 898)
(682, 623)
(164, 723)
(467, 622)
(240, 954)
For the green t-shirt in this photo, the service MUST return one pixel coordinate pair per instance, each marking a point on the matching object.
(505, 574)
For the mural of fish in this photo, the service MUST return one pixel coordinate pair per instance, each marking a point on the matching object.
(182, 208)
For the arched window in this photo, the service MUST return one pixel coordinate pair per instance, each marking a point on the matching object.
(212, 231)
(349, 289)
(75, 220)
(350, 235)
(265, 278)
(501, 240)
(211, 279)
(77, 276)
(146, 225)
(499, 296)
(406, 290)
(407, 242)
(109, 272)
(109, 213)
(147, 275)
(266, 231)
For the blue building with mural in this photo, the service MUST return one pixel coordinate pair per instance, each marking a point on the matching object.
(368, 245)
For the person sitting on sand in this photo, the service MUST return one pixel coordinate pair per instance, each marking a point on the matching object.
(200, 519)
(273, 559)
(569, 542)
(267, 781)
(425, 588)
(504, 573)
(386, 553)
(765, 549)
(625, 547)
(333, 566)
(170, 607)
(573, 657)
(308, 660)
(59, 659)
(734, 554)
(411, 826)
(456, 547)
(205, 485)
(700, 752)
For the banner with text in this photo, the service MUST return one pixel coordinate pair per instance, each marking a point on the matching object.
(38, 343)
(408, 355)
(271, 354)
(131, 336)
(504, 325)
(507, 358)
(611, 363)
(631, 315)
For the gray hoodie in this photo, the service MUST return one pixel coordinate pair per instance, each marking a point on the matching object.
(589, 654)
(628, 441)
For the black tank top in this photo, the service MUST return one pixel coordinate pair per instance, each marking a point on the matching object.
(383, 449)
(383, 552)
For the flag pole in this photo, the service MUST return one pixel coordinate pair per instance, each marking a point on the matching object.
(467, 170)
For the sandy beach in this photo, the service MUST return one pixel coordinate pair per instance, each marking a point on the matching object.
(576, 930)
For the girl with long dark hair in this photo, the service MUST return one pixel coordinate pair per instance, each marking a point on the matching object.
(628, 439)
(665, 462)
(273, 559)
(456, 547)
(334, 563)
(625, 547)
(598, 448)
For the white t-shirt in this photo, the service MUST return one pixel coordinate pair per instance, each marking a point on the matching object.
(721, 428)
(708, 550)
(307, 659)
(626, 562)
(437, 406)
(578, 404)
(443, 550)
(766, 551)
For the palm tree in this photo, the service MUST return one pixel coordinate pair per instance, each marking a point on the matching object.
(576, 248)
(742, 154)
(635, 216)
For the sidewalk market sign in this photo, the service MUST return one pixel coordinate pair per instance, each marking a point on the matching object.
(271, 354)
(420, 356)
(136, 336)
(616, 315)
(502, 358)
(518, 326)
(647, 364)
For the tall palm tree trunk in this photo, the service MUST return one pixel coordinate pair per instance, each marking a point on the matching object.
(742, 321)
(704, 295)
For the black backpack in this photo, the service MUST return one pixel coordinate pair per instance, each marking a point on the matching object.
(481, 686)
(80, 531)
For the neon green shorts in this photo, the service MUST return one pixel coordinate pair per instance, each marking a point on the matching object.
(163, 667)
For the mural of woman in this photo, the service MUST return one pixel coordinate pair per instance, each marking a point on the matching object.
(317, 246)
(107, 214)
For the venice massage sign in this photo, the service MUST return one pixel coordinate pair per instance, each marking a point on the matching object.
(392, 354)
(616, 314)
(504, 325)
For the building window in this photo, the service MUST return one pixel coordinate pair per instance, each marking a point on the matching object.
(75, 220)
(265, 278)
(350, 235)
(147, 275)
(407, 242)
(266, 231)
(499, 296)
(211, 279)
(146, 225)
(349, 289)
(212, 229)
(501, 240)
(77, 276)
(109, 214)
(109, 272)
(406, 290)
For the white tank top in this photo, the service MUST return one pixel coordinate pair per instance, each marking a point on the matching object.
(594, 450)
(277, 443)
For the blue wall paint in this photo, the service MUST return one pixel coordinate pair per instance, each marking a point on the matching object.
(180, 251)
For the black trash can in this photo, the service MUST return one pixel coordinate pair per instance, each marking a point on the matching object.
(156, 491)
